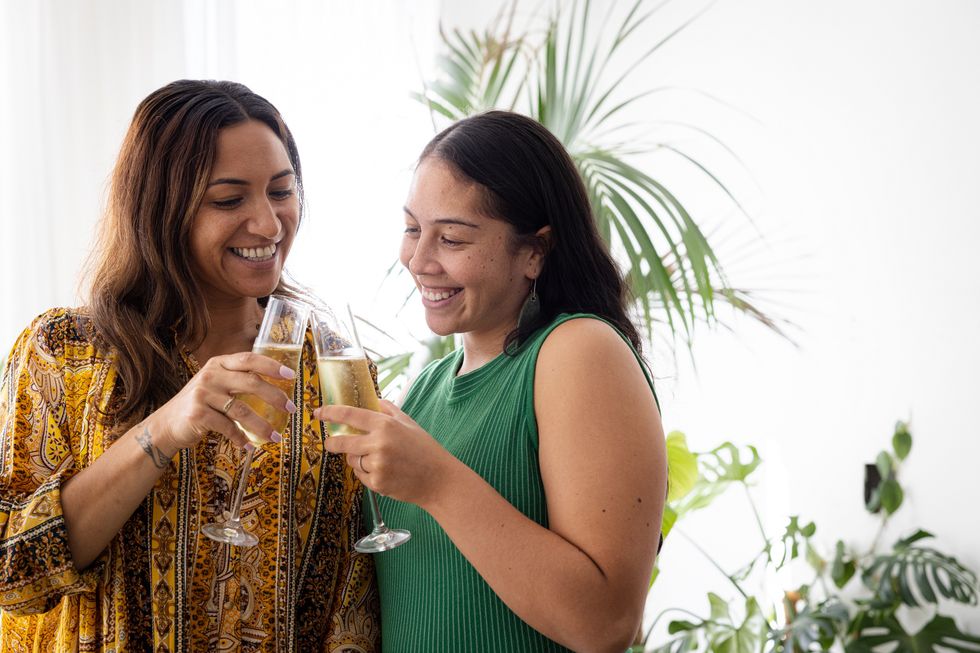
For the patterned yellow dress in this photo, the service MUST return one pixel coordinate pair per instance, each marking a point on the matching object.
(160, 585)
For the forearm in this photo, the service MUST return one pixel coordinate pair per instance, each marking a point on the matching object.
(99, 499)
(542, 577)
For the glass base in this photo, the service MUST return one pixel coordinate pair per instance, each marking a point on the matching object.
(230, 532)
(382, 540)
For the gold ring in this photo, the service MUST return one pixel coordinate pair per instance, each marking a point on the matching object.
(360, 463)
(227, 406)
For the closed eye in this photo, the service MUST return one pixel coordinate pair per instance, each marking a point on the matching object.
(282, 194)
(228, 203)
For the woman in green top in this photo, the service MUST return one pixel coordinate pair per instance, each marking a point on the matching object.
(530, 464)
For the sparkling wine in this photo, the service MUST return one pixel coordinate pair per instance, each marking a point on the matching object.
(346, 381)
(287, 355)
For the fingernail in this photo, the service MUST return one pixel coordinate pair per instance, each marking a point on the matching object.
(275, 437)
(286, 372)
(290, 407)
(249, 446)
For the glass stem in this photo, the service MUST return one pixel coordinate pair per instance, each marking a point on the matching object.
(379, 524)
(236, 501)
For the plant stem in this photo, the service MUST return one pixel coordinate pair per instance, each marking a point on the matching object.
(758, 519)
(713, 563)
(881, 530)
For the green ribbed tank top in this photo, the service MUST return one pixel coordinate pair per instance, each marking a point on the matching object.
(432, 599)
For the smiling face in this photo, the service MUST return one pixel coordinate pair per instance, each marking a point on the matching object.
(471, 274)
(247, 220)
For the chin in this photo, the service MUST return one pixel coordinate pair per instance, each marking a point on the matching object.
(441, 328)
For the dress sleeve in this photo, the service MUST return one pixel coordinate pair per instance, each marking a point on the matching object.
(36, 568)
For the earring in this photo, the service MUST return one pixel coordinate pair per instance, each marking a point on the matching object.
(530, 310)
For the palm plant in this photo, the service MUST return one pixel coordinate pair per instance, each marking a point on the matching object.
(564, 78)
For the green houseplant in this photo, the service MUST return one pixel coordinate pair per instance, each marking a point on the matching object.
(852, 598)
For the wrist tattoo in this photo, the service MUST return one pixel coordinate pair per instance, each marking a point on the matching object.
(158, 457)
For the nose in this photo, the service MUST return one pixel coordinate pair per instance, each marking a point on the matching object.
(264, 221)
(420, 259)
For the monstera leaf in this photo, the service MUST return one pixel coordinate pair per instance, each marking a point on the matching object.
(719, 469)
(813, 629)
(871, 630)
(720, 632)
(892, 577)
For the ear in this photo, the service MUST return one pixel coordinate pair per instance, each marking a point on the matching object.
(539, 251)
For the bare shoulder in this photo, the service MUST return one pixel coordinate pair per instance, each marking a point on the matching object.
(586, 345)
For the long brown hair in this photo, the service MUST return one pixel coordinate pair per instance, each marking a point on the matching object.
(143, 296)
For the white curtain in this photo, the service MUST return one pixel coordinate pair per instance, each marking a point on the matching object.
(72, 73)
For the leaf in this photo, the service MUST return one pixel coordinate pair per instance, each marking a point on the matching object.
(681, 625)
(792, 538)
(884, 463)
(817, 626)
(871, 630)
(902, 440)
(842, 568)
(682, 466)
(747, 637)
(391, 368)
(891, 495)
(913, 538)
(668, 521)
(718, 470)
(815, 560)
(719, 608)
(893, 577)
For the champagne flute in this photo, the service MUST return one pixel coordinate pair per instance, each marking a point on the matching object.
(281, 339)
(345, 379)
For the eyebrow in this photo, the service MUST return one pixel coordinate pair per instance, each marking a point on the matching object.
(242, 182)
(457, 221)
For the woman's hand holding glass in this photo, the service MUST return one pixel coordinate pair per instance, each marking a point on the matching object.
(200, 405)
(280, 339)
(395, 456)
(345, 382)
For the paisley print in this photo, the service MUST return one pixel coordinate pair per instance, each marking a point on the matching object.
(160, 585)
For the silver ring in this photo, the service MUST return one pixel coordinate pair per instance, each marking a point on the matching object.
(227, 406)
(360, 463)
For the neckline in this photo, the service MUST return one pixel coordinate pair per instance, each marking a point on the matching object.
(462, 385)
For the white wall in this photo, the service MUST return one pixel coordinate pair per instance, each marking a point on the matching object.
(866, 148)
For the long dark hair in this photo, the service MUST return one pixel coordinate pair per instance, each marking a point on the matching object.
(530, 181)
(143, 296)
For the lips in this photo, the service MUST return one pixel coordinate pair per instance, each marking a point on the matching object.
(256, 254)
